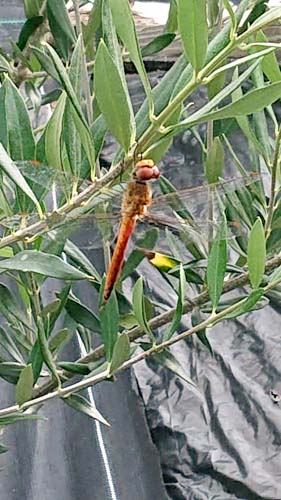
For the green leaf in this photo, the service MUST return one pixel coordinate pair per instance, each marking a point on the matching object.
(216, 84)
(110, 39)
(213, 11)
(82, 404)
(59, 340)
(248, 304)
(253, 101)
(124, 22)
(82, 315)
(15, 133)
(270, 64)
(179, 309)
(14, 173)
(215, 161)
(24, 386)
(135, 258)
(172, 21)
(121, 352)
(80, 120)
(32, 7)
(117, 112)
(181, 73)
(203, 113)
(46, 63)
(42, 263)
(78, 368)
(6, 341)
(196, 319)
(5, 66)
(53, 147)
(28, 29)
(159, 43)
(10, 307)
(71, 136)
(11, 371)
(19, 417)
(272, 15)
(217, 265)
(193, 27)
(61, 27)
(256, 253)
(109, 320)
(243, 121)
(168, 360)
(77, 256)
(90, 30)
(139, 308)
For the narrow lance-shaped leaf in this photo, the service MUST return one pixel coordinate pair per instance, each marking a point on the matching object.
(243, 121)
(192, 20)
(32, 7)
(139, 308)
(109, 36)
(15, 133)
(81, 122)
(124, 22)
(82, 315)
(179, 309)
(80, 403)
(46, 63)
(42, 263)
(61, 27)
(168, 360)
(215, 161)
(181, 73)
(172, 21)
(253, 101)
(14, 173)
(28, 29)
(91, 28)
(247, 304)
(121, 352)
(270, 64)
(71, 136)
(256, 253)
(217, 265)
(53, 146)
(109, 321)
(25, 385)
(157, 44)
(269, 17)
(113, 98)
(196, 319)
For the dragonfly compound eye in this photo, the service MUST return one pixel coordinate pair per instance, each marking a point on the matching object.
(146, 170)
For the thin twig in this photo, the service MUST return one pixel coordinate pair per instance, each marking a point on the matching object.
(77, 201)
(94, 379)
(160, 320)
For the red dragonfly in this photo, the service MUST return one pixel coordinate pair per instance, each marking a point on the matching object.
(136, 199)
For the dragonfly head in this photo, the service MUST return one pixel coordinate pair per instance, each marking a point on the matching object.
(146, 170)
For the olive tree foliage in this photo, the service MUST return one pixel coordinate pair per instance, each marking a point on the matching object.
(45, 194)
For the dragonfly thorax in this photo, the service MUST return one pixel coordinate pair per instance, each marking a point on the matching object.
(136, 198)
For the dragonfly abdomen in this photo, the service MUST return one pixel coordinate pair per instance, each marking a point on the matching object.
(126, 229)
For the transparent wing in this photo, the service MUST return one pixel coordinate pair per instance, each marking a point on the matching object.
(196, 201)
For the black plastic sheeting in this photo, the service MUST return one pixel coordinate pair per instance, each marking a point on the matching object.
(219, 442)
(225, 442)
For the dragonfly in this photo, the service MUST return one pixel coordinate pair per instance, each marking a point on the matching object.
(137, 205)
